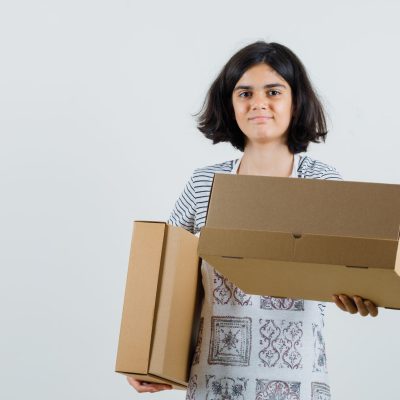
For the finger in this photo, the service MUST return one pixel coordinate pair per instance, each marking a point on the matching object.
(348, 303)
(133, 382)
(156, 386)
(138, 385)
(362, 308)
(338, 302)
(147, 387)
(372, 308)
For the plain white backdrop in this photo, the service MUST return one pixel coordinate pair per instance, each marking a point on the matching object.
(96, 104)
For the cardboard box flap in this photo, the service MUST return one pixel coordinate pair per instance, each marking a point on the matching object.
(336, 208)
(311, 281)
(144, 268)
(282, 246)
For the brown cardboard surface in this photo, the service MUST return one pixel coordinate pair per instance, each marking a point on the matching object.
(161, 305)
(311, 281)
(176, 307)
(305, 238)
(362, 252)
(337, 208)
(139, 304)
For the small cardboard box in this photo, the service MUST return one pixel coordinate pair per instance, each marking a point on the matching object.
(162, 300)
(305, 238)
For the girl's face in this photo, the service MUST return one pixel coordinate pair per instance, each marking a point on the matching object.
(262, 102)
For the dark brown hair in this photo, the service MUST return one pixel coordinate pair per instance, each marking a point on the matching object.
(216, 118)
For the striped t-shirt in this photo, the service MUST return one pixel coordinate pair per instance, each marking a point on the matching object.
(249, 346)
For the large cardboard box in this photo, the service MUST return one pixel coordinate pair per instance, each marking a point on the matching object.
(161, 306)
(305, 238)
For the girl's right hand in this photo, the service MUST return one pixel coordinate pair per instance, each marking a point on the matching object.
(147, 387)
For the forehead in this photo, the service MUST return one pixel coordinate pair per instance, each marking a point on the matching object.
(260, 73)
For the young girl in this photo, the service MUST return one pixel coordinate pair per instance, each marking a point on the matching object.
(258, 347)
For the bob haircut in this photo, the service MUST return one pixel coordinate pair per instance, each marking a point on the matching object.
(216, 119)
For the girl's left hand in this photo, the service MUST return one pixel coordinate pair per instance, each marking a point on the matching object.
(355, 305)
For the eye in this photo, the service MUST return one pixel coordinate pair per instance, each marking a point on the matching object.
(244, 94)
(274, 92)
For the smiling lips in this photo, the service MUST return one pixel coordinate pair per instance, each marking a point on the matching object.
(260, 118)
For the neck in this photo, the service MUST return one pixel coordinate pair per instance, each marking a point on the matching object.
(273, 159)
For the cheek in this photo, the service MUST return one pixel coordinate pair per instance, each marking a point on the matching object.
(239, 110)
(285, 109)
(236, 112)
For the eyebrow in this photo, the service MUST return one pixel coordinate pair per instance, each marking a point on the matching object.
(268, 86)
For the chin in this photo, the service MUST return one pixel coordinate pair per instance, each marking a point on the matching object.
(267, 136)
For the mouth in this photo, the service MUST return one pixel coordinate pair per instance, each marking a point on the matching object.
(260, 118)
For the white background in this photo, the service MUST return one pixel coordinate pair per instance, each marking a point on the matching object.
(96, 130)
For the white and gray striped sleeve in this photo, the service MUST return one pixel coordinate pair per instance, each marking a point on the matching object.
(331, 174)
(184, 211)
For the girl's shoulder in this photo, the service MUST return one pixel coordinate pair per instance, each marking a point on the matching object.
(308, 167)
(210, 170)
(316, 169)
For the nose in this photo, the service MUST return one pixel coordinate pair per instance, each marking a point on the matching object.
(259, 102)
